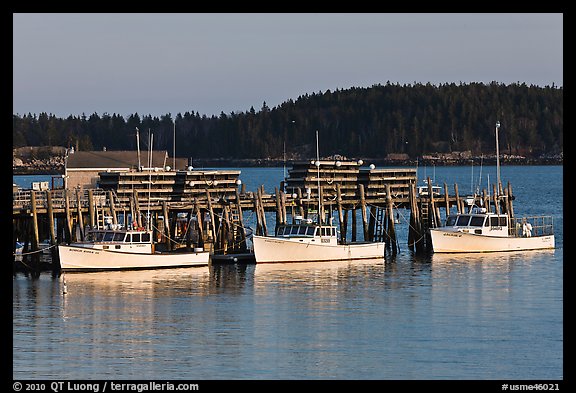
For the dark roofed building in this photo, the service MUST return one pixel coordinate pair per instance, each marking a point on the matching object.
(82, 167)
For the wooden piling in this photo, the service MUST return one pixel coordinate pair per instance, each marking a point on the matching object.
(68, 227)
(434, 221)
(363, 211)
(167, 234)
(212, 217)
(458, 201)
(283, 207)
(80, 222)
(279, 218)
(354, 224)
(199, 222)
(340, 214)
(411, 219)
(112, 208)
(53, 250)
(35, 237)
(391, 230)
(495, 199)
(138, 218)
(485, 200)
(300, 204)
(510, 198)
(91, 209)
(371, 223)
(262, 212)
(446, 199)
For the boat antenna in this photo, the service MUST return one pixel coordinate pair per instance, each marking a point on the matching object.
(497, 155)
(174, 146)
(138, 147)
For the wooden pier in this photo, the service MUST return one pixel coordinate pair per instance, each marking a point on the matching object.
(206, 208)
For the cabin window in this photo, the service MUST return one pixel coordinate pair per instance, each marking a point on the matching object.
(145, 238)
(333, 231)
(462, 221)
(98, 236)
(108, 236)
(302, 231)
(118, 237)
(135, 238)
(280, 231)
(450, 221)
(310, 231)
(503, 221)
(477, 221)
(294, 230)
(494, 221)
(128, 238)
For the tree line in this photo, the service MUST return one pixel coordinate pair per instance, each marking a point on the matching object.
(414, 119)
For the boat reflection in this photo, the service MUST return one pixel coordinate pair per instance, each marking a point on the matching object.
(162, 282)
(493, 258)
(316, 274)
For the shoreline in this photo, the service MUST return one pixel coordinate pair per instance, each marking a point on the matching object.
(243, 163)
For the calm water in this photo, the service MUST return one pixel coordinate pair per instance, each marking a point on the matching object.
(490, 317)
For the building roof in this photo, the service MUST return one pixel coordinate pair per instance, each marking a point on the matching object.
(120, 159)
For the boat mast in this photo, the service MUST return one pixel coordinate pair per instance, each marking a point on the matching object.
(138, 147)
(174, 147)
(151, 140)
(320, 218)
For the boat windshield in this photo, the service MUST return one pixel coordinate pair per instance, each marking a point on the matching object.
(450, 221)
(462, 220)
(295, 230)
(477, 221)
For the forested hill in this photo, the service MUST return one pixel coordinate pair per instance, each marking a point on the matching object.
(356, 122)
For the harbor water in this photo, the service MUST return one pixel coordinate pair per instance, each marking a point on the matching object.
(493, 316)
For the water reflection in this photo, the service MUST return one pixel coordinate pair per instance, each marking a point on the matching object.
(490, 260)
(162, 282)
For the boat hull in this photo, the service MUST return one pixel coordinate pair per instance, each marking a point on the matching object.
(82, 259)
(453, 242)
(277, 250)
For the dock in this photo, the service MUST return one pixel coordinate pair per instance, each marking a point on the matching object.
(196, 208)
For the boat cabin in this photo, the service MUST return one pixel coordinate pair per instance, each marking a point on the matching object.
(119, 240)
(423, 190)
(479, 222)
(112, 236)
(305, 230)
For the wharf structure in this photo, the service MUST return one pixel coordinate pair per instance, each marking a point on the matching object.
(204, 208)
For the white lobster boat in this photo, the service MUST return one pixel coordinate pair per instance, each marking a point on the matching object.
(308, 242)
(305, 241)
(482, 231)
(118, 249)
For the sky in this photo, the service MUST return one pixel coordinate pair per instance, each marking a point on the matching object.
(160, 63)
